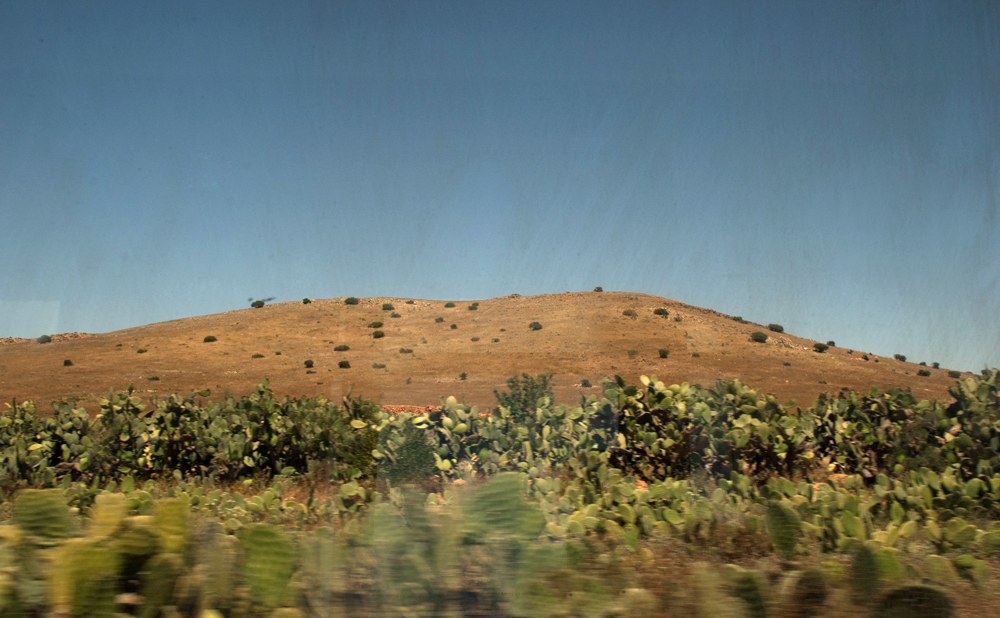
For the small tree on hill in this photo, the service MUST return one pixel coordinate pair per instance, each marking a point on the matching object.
(524, 393)
(758, 337)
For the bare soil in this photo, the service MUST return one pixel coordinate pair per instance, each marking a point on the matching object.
(585, 336)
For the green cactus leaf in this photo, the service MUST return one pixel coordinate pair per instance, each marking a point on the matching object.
(269, 563)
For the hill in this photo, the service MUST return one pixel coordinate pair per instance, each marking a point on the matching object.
(584, 336)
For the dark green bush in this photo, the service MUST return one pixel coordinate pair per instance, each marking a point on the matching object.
(454, 326)
(831, 344)
(308, 364)
(438, 320)
(141, 351)
(776, 328)
(899, 357)
(409, 302)
(378, 365)
(758, 337)
(341, 348)
(696, 355)
(394, 315)
(306, 301)
(629, 313)
(473, 307)
(664, 352)
(820, 347)
(924, 372)
(535, 326)
(210, 339)
(378, 334)
(153, 379)
(495, 340)
(44, 339)
(954, 374)
(257, 356)
(351, 301)
(277, 353)
(475, 338)
(677, 318)
(740, 319)
(661, 311)
(414, 458)
(67, 363)
(598, 289)
(936, 365)
(344, 364)
(632, 353)
(522, 397)
(257, 304)
(585, 383)
(405, 351)
(864, 356)
(449, 305)
(375, 325)
(387, 307)
(463, 376)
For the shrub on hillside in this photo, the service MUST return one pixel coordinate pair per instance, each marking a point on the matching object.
(210, 339)
(629, 313)
(475, 338)
(740, 319)
(473, 307)
(924, 372)
(776, 328)
(141, 351)
(661, 311)
(832, 344)
(394, 315)
(351, 301)
(409, 302)
(585, 383)
(449, 305)
(405, 351)
(308, 364)
(598, 289)
(495, 340)
(696, 355)
(375, 325)
(864, 356)
(378, 334)
(664, 352)
(677, 318)
(67, 363)
(257, 304)
(378, 365)
(899, 357)
(44, 339)
(954, 374)
(257, 356)
(438, 320)
(306, 301)
(820, 347)
(535, 326)
(341, 348)
(936, 365)
(463, 376)
(923, 364)
(523, 394)
(758, 337)
(387, 307)
(344, 364)
(454, 326)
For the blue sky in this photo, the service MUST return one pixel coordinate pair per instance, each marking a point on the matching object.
(833, 167)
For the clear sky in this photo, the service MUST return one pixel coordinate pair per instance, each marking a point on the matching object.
(830, 166)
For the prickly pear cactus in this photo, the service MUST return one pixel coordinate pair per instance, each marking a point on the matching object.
(171, 519)
(915, 601)
(43, 514)
(803, 594)
(136, 542)
(269, 562)
(783, 523)
(866, 574)
(106, 515)
(750, 587)
(83, 578)
(161, 575)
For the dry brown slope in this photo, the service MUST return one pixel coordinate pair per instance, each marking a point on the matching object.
(584, 336)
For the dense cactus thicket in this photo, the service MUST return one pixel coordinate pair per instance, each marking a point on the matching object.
(528, 509)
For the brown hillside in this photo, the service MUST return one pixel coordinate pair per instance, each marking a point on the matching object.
(584, 336)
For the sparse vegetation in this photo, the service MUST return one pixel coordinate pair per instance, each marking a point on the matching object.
(387, 307)
(776, 328)
(377, 334)
(153, 378)
(341, 348)
(44, 339)
(375, 325)
(344, 364)
(629, 313)
(598, 289)
(786, 364)
(758, 337)
(740, 319)
(67, 363)
(463, 376)
(696, 355)
(664, 352)
(585, 383)
(378, 365)
(394, 315)
(277, 353)
(306, 301)
(473, 306)
(449, 305)
(661, 311)
(351, 301)
(820, 347)
(454, 326)
(410, 302)
(438, 320)
(899, 357)
(677, 318)
(141, 351)
(210, 339)
(831, 344)
(535, 326)
(495, 340)
(954, 374)
(257, 356)
(923, 364)
(632, 353)
(308, 364)
(864, 356)
(405, 351)
(257, 304)
(475, 338)
(936, 365)
(924, 372)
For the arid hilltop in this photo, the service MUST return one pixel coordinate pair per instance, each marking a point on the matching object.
(426, 350)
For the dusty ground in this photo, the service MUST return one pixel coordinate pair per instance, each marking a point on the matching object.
(584, 336)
